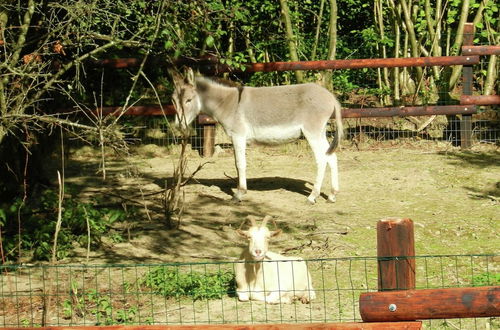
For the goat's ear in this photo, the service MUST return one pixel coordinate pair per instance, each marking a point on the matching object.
(276, 232)
(242, 233)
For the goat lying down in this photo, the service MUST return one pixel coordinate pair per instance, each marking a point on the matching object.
(267, 276)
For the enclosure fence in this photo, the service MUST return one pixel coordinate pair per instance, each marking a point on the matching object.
(204, 293)
(160, 132)
(471, 119)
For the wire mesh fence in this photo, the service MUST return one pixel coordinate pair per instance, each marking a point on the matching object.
(204, 293)
(155, 130)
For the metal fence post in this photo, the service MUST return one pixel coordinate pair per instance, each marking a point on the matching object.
(396, 254)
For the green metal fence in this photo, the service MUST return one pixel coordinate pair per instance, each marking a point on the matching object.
(203, 293)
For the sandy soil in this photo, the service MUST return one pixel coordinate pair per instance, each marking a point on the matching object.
(452, 197)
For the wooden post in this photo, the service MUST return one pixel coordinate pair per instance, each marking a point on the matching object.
(208, 140)
(396, 254)
(466, 122)
(208, 135)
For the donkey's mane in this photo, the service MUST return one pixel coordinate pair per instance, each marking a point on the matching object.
(221, 81)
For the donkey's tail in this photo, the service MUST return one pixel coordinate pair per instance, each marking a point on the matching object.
(339, 131)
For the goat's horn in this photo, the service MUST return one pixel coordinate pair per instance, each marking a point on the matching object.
(266, 219)
(242, 223)
(252, 222)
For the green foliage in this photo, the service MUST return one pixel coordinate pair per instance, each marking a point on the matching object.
(486, 279)
(38, 221)
(172, 283)
(99, 305)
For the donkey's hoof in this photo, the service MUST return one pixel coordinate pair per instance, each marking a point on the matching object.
(332, 199)
(311, 200)
(236, 199)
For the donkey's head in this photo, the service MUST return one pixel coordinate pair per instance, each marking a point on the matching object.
(185, 98)
(258, 238)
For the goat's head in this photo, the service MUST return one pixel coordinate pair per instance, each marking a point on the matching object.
(258, 238)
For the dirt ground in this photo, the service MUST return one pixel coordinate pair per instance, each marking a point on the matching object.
(452, 196)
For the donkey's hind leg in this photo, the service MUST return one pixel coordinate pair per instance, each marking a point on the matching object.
(239, 145)
(332, 162)
(319, 146)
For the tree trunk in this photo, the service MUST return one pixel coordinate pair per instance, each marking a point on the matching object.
(410, 30)
(250, 52)
(318, 28)
(491, 76)
(332, 44)
(383, 81)
(455, 49)
(396, 23)
(292, 46)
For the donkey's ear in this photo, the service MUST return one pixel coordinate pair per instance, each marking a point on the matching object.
(176, 77)
(189, 76)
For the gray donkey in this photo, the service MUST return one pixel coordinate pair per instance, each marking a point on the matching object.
(267, 115)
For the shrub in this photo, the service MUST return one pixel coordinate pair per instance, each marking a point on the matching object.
(170, 282)
(38, 220)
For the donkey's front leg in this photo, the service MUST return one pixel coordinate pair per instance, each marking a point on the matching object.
(239, 145)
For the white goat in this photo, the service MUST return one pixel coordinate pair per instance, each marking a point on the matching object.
(267, 276)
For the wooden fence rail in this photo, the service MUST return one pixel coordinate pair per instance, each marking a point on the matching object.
(409, 305)
(283, 326)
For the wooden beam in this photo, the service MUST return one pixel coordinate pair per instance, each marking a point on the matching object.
(403, 111)
(481, 50)
(210, 64)
(430, 304)
(353, 64)
(119, 63)
(395, 254)
(479, 99)
(281, 326)
(466, 108)
(138, 110)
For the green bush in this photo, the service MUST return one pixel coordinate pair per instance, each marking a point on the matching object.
(486, 279)
(170, 282)
(38, 218)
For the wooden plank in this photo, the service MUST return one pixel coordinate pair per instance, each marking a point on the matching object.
(293, 326)
(139, 110)
(479, 99)
(396, 254)
(210, 65)
(430, 304)
(354, 64)
(427, 110)
(481, 50)
(403, 111)
(119, 63)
